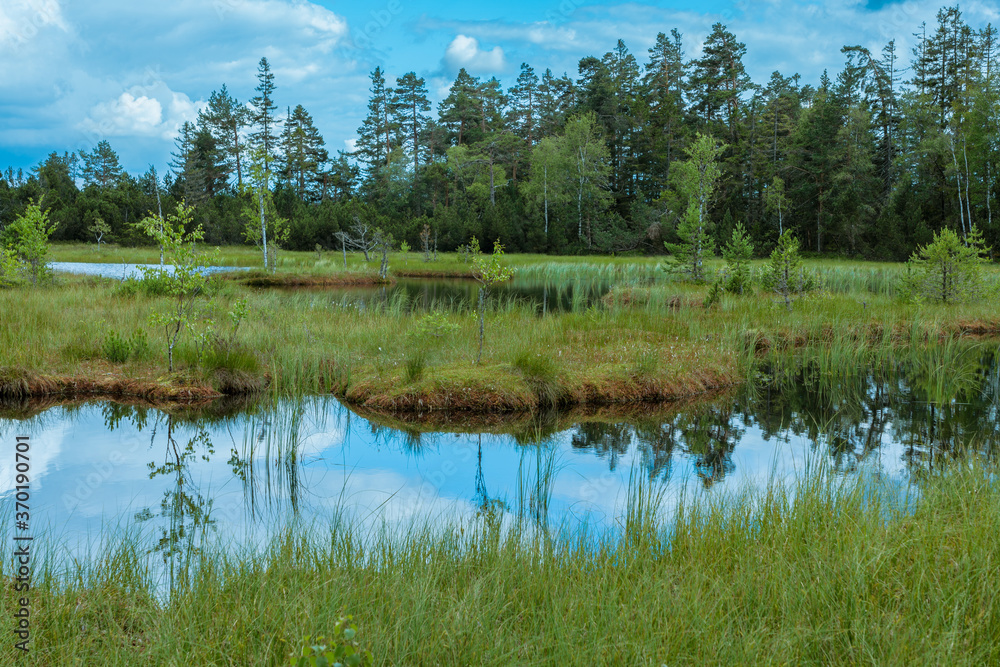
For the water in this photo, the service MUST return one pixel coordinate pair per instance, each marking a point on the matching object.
(238, 474)
(122, 271)
(425, 294)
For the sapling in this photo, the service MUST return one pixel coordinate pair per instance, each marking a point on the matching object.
(28, 236)
(947, 269)
(186, 281)
(99, 228)
(489, 271)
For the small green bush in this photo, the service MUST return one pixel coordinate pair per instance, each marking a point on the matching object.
(948, 269)
(153, 284)
(341, 649)
(118, 349)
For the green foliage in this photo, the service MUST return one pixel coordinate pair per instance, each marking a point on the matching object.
(714, 293)
(434, 325)
(415, 364)
(776, 202)
(263, 226)
(488, 271)
(28, 238)
(118, 349)
(694, 182)
(99, 228)
(948, 270)
(342, 649)
(737, 254)
(150, 285)
(185, 281)
(8, 267)
(541, 373)
(229, 355)
(784, 272)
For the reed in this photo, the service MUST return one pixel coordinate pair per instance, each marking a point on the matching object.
(819, 569)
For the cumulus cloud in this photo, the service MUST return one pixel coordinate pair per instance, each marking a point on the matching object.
(464, 52)
(787, 35)
(151, 110)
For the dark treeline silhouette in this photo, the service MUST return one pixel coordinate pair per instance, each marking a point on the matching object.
(869, 162)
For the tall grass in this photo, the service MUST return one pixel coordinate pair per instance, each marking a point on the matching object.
(821, 570)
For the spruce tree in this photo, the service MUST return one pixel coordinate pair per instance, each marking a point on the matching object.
(264, 136)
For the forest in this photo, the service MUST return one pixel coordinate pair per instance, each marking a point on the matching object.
(868, 162)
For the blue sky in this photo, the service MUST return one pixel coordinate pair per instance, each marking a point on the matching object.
(73, 73)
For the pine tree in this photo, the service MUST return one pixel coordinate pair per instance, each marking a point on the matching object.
(410, 105)
(737, 254)
(719, 79)
(100, 166)
(303, 155)
(524, 105)
(556, 100)
(378, 133)
(462, 110)
(664, 89)
(227, 119)
(262, 117)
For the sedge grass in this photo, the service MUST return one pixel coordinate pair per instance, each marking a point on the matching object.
(649, 341)
(821, 570)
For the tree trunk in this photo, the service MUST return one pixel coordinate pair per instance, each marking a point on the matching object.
(263, 227)
(482, 315)
(545, 186)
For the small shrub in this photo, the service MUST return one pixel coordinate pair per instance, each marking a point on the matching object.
(152, 285)
(737, 254)
(139, 344)
(433, 325)
(340, 649)
(784, 273)
(118, 349)
(8, 268)
(714, 292)
(948, 269)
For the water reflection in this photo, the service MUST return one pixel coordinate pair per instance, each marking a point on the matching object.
(426, 294)
(241, 473)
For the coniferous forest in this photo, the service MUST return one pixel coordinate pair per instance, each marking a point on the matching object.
(867, 162)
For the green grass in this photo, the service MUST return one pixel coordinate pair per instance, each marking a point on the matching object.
(824, 570)
(650, 339)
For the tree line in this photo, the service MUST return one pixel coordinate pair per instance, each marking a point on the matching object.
(871, 161)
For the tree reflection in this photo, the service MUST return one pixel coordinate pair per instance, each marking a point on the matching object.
(187, 512)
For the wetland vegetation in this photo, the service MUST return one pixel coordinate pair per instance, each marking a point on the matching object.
(596, 455)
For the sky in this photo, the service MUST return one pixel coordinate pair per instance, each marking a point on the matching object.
(75, 72)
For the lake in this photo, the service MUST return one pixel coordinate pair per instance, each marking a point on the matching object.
(239, 473)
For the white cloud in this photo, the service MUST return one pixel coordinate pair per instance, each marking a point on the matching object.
(465, 52)
(153, 111)
(23, 21)
(351, 145)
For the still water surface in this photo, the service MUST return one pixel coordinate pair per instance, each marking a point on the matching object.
(421, 294)
(240, 474)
